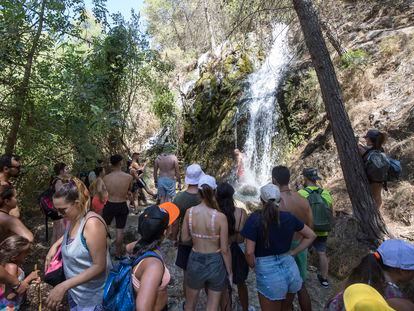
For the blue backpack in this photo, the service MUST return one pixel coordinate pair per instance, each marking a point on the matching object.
(395, 170)
(119, 293)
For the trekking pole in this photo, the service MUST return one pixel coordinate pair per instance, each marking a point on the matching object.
(39, 293)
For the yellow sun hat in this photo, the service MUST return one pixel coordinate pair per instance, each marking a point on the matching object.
(362, 297)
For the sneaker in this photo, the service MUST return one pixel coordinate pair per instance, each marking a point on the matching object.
(324, 282)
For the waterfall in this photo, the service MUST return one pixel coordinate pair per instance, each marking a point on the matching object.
(260, 155)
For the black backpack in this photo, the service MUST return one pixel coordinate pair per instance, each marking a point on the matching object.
(322, 213)
(377, 166)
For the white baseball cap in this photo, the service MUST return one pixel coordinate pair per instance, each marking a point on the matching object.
(207, 180)
(193, 174)
(397, 254)
(270, 192)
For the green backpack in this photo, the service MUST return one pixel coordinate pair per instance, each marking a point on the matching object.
(322, 214)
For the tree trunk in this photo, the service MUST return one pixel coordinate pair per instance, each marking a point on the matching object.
(356, 180)
(210, 27)
(22, 90)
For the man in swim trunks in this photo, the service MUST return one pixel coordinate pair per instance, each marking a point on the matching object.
(294, 203)
(238, 155)
(118, 184)
(10, 166)
(166, 174)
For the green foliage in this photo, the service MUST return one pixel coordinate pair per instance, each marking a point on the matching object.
(354, 58)
(89, 86)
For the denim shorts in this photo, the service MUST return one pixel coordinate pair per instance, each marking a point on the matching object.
(320, 244)
(206, 271)
(276, 276)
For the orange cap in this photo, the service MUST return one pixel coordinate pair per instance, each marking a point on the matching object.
(172, 210)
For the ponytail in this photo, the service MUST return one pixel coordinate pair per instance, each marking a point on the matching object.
(226, 204)
(143, 246)
(208, 195)
(270, 215)
(379, 141)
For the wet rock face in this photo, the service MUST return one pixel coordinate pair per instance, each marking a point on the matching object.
(210, 108)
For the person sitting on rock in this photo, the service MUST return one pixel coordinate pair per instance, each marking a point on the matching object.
(13, 252)
(150, 276)
(374, 141)
(269, 233)
(311, 178)
(391, 265)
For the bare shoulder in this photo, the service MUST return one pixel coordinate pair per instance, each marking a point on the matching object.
(94, 223)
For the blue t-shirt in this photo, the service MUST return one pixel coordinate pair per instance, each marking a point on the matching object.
(280, 237)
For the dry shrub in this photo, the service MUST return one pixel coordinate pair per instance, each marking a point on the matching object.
(400, 203)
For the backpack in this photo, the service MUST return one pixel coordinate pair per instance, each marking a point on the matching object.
(395, 170)
(119, 293)
(322, 214)
(46, 202)
(377, 166)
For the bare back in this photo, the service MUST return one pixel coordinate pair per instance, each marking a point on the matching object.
(167, 165)
(117, 184)
(297, 205)
(10, 225)
(203, 223)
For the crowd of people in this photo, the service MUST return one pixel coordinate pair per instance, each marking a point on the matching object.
(218, 242)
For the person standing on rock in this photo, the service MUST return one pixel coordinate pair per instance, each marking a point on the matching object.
(185, 200)
(374, 141)
(238, 156)
(310, 190)
(166, 175)
(269, 233)
(118, 184)
(209, 263)
(299, 207)
(139, 185)
(10, 166)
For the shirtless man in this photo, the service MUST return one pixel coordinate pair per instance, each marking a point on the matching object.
(238, 155)
(137, 171)
(10, 167)
(166, 174)
(118, 184)
(294, 203)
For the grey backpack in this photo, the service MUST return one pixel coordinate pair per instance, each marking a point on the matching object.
(377, 166)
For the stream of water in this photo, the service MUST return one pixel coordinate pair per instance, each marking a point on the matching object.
(260, 152)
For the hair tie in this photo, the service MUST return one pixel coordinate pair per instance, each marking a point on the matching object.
(377, 256)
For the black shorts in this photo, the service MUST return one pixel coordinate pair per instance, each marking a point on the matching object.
(138, 184)
(183, 252)
(119, 211)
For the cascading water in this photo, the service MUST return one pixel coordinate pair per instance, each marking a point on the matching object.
(260, 155)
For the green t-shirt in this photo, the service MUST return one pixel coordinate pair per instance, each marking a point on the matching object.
(184, 201)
